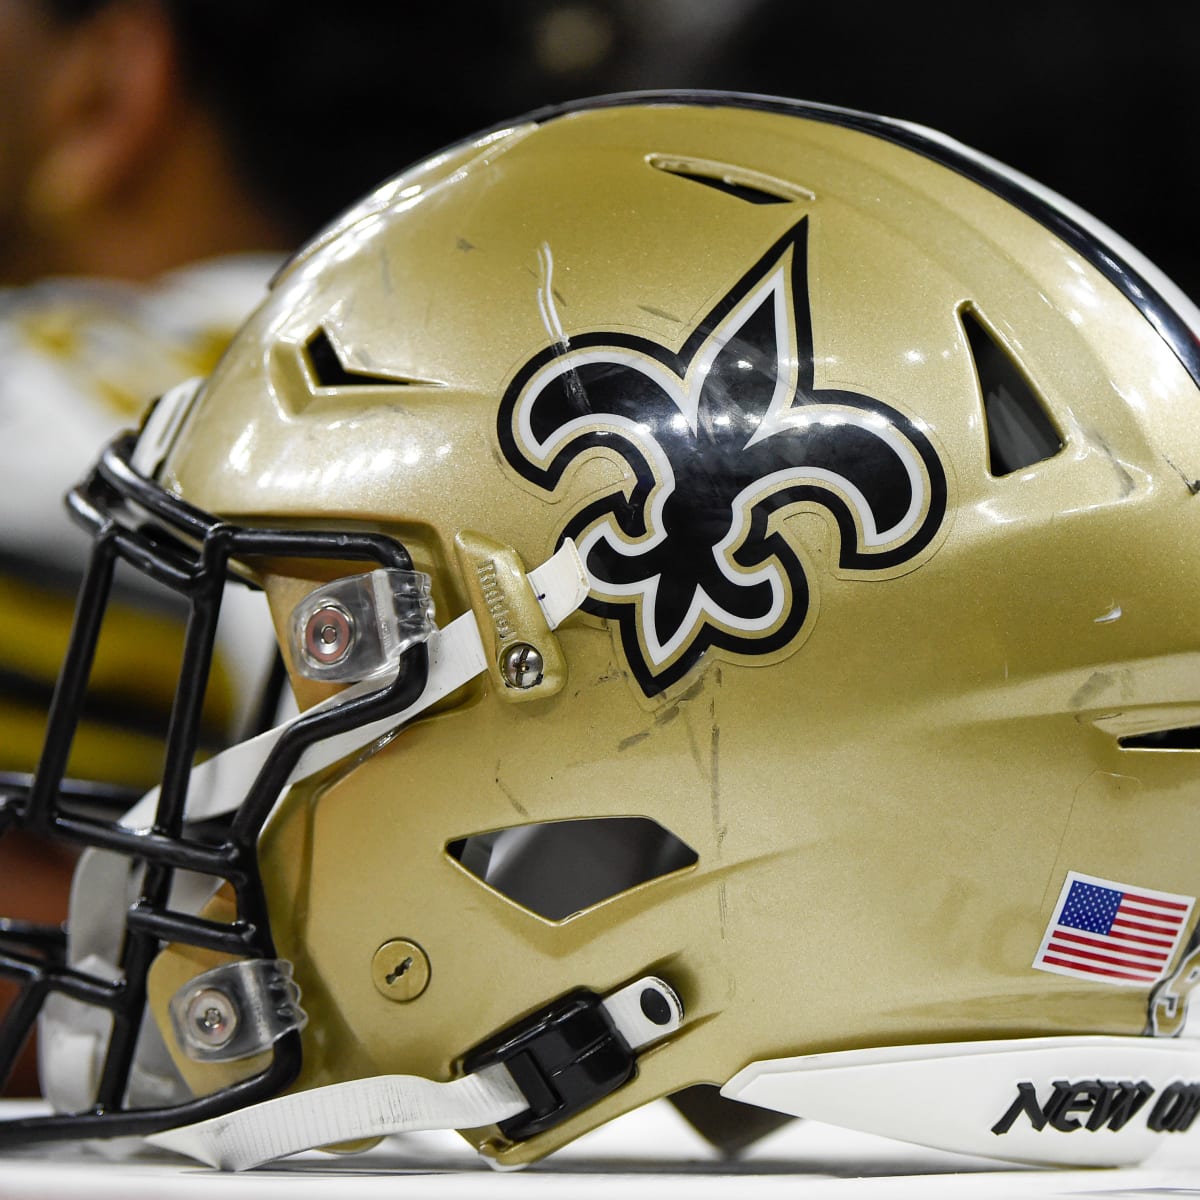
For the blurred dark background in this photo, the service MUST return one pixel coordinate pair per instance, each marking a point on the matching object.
(322, 100)
(1097, 100)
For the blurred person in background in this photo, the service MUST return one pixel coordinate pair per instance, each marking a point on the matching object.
(130, 249)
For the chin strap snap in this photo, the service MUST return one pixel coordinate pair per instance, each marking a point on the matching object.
(553, 1055)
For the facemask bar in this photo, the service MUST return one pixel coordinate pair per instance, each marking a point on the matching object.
(134, 520)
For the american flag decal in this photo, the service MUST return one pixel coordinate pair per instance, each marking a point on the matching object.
(1113, 933)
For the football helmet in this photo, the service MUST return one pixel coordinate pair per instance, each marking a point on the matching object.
(730, 557)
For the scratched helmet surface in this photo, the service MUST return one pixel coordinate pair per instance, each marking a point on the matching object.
(867, 754)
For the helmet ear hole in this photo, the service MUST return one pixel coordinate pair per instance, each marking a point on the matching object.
(559, 868)
(1020, 431)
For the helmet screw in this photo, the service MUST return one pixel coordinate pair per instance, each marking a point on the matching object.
(522, 666)
(328, 634)
(400, 970)
(212, 1018)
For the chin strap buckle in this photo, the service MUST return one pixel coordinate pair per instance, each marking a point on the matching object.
(577, 1050)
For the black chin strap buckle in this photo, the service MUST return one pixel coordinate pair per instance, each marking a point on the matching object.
(578, 1050)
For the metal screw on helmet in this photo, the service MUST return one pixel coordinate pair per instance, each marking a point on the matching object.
(522, 666)
(212, 1018)
(328, 634)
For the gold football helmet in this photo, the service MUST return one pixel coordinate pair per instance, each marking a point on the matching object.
(731, 560)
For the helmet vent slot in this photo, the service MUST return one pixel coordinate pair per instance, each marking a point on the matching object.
(329, 370)
(559, 868)
(1020, 431)
(1186, 737)
(754, 187)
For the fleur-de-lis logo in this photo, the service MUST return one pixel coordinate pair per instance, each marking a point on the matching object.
(717, 438)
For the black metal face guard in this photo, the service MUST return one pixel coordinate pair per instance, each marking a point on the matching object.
(187, 550)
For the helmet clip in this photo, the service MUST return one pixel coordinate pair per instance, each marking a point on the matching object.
(577, 1050)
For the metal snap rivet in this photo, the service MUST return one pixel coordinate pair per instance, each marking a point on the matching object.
(212, 1018)
(328, 634)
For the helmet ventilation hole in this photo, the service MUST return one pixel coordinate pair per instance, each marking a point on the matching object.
(559, 868)
(328, 369)
(1186, 737)
(1020, 431)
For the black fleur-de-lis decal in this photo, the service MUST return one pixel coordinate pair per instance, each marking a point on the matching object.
(717, 437)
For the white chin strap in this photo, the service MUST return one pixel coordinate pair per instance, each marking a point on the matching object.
(390, 1104)
(72, 1034)
(346, 1112)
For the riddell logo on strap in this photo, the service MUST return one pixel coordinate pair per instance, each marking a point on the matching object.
(1094, 1104)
